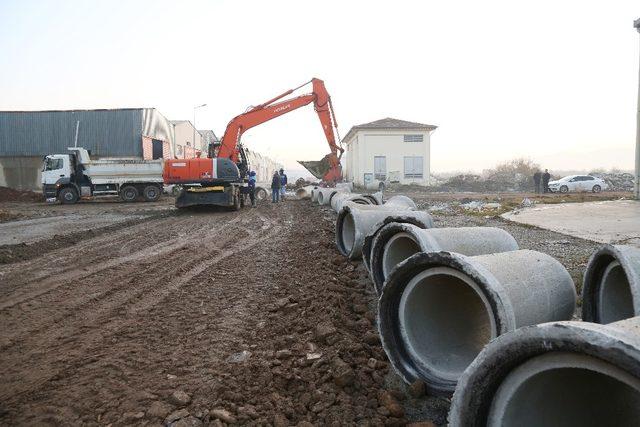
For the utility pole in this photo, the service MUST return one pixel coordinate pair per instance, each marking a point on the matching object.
(194, 126)
(636, 24)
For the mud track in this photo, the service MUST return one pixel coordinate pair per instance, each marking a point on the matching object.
(225, 306)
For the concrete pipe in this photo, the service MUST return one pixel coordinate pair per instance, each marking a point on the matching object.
(324, 194)
(396, 242)
(354, 223)
(438, 310)
(344, 186)
(369, 238)
(339, 199)
(554, 374)
(304, 192)
(611, 287)
(375, 198)
(401, 201)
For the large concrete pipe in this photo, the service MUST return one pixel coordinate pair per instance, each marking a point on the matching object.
(339, 199)
(439, 309)
(396, 242)
(611, 287)
(554, 374)
(304, 192)
(345, 186)
(401, 201)
(375, 198)
(354, 223)
(325, 194)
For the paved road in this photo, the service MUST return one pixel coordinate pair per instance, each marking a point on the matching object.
(615, 221)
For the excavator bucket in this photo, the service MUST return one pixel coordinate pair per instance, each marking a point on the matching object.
(323, 169)
(317, 168)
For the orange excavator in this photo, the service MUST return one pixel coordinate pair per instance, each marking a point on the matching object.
(220, 179)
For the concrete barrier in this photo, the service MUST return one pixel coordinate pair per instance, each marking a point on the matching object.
(554, 374)
(611, 286)
(438, 310)
(396, 242)
(355, 222)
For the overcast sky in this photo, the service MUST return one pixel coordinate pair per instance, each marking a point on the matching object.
(553, 81)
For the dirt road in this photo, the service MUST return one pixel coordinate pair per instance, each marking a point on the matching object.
(253, 315)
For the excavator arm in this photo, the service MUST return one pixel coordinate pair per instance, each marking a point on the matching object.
(328, 168)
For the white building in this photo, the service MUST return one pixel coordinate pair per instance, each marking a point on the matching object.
(263, 166)
(388, 150)
(184, 134)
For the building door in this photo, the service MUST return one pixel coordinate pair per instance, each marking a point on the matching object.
(380, 168)
(156, 149)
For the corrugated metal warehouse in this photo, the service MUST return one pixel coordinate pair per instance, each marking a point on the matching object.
(26, 136)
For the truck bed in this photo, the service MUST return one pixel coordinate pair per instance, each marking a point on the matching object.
(118, 171)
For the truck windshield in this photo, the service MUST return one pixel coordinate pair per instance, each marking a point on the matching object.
(52, 164)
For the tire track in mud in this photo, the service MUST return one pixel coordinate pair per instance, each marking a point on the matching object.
(91, 324)
(91, 266)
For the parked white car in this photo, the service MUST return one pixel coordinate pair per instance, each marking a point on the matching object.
(578, 183)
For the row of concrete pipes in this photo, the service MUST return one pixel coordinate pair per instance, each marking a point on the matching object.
(470, 314)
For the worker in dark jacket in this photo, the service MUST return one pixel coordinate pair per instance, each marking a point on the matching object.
(252, 188)
(283, 184)
(546, 176)
(275, 187)
(537, 177)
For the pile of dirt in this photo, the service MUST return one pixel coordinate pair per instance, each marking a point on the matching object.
(11, 195)
(617, 181)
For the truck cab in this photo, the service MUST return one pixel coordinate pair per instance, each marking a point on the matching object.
(56, 173)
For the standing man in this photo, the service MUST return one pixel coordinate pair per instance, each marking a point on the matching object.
(283, 184)
(537, 177)
(546, 176)
(252, 188)
(275, 187)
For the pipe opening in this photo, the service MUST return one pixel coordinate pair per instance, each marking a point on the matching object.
(561, 389)
(320, 197)
(445, 321)
(399, 247)
(348, 232)
(301, 193)
(615, 301)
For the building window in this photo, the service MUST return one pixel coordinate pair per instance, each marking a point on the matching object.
(413, 167)
(380, 168)
(414, 138)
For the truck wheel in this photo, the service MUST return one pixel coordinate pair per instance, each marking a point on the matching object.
(151, 193)
(68, 196)
(129, 193)
(236, 202)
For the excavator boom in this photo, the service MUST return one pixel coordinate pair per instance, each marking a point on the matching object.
(230, 143)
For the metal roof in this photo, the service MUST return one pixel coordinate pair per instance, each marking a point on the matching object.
(389, 123)
(106, 132)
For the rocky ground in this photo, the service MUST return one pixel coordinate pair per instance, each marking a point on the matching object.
(209, 318)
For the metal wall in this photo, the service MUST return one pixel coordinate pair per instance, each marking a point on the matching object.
(107, 133)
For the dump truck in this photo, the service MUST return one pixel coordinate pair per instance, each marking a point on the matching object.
(72, 176)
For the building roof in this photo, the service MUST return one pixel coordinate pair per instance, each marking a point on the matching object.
(389, 123)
